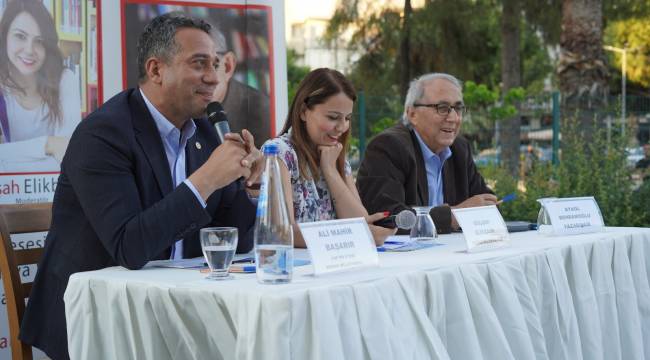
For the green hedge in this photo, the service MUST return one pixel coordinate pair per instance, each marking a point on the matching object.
(594, 167)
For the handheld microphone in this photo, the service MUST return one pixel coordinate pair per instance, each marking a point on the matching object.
(217, 117)
(405, 219)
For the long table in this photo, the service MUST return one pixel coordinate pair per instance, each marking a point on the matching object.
(572, 297)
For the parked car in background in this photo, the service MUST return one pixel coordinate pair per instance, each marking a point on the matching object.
(492, 155)
(487, 157)
(634, 154)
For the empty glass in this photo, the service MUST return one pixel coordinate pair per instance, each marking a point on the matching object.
(543, 219)
(424, 229)
(218, 245)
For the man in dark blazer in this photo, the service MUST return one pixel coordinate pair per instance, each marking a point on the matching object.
(423, 162)
(141, 175)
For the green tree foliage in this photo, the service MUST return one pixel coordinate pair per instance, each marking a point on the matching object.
(545, 16)
(614, 10)
(641, 205)
(295, 73)
(445, 36)
(623, 20)
(382, 124)
(536, 63)
(595, 168)
(486, 107)
(634, 34)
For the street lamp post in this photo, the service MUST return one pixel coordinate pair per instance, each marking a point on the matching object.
(622, 51)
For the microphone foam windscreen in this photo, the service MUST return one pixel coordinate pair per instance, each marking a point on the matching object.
(215, 112)
(405, 220)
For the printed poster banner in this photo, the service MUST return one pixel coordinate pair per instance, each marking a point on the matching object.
(61, 59)
(48, 83)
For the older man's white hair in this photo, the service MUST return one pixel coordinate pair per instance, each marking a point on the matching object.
(416, 90)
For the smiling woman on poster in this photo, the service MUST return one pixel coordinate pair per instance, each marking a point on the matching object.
(39, 99)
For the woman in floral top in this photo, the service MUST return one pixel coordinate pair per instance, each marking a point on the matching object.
(312, 147)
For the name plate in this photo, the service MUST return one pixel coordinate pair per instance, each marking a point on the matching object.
(337, 245)
(483, 227)
(570, 216)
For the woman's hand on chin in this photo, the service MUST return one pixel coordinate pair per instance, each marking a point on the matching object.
(328, 156)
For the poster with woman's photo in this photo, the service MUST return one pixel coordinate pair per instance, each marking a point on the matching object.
(48, 83)
(243, 37)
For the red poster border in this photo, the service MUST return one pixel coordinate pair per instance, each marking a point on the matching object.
(268, 8)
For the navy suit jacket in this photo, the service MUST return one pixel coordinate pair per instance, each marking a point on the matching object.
(115, 204)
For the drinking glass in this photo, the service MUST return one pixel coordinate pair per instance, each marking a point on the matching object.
(424, 229)
(543, 220)
(218, 245)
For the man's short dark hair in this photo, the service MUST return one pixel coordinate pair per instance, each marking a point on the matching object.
(157, 39)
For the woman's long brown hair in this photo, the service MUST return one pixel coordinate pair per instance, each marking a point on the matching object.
(48, 77)
(316, 88)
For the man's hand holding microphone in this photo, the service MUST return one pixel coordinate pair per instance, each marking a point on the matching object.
(236, 157)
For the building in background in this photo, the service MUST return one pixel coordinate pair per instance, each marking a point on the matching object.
(308, 40)
(305, 27)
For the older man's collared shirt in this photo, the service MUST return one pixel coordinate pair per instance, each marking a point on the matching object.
(174, 142)
(433, 163)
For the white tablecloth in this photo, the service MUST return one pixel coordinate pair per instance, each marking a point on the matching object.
(574, 297)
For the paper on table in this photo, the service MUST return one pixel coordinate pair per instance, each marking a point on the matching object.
(194, 263)
(404, 243)
(199, 263)
(398, 239)
(249, 267)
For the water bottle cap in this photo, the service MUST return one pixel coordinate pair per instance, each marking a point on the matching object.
(270, 149)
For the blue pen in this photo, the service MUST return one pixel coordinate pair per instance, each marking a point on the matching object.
(509, 197)
(244, 260)
(390, 242)
(381, 249)
(242, 269)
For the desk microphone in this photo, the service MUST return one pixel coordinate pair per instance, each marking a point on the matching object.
(405, 219)
(217, 117)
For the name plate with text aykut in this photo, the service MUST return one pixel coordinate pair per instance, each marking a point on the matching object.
(337, 245)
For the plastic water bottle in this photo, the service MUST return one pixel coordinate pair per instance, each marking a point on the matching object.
(273, 231)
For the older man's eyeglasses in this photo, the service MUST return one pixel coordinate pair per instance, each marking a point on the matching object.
(444, 109)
